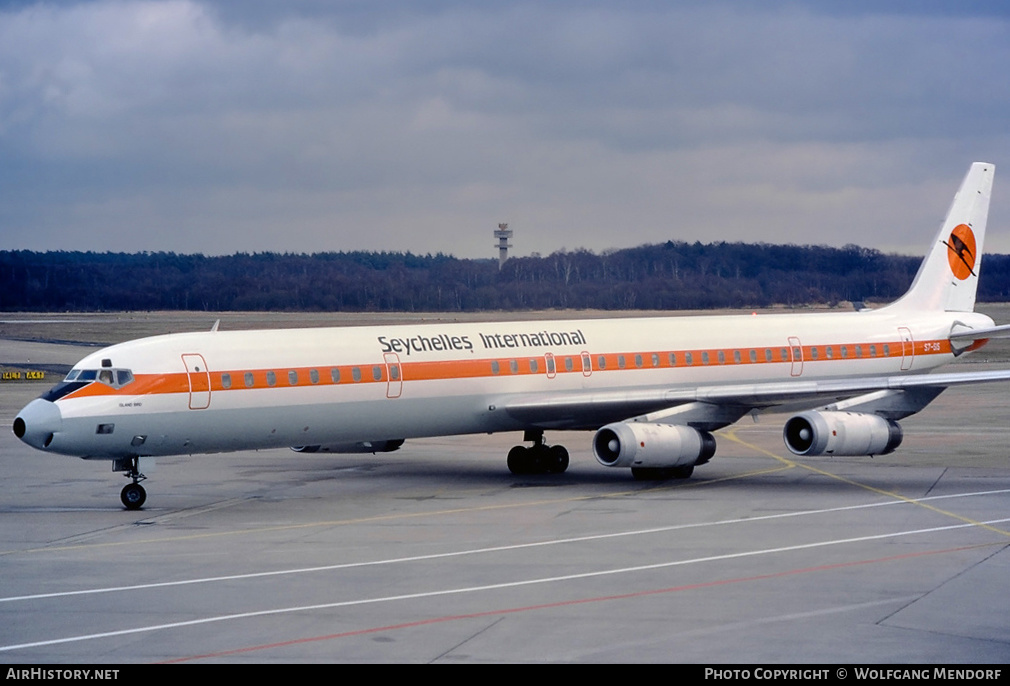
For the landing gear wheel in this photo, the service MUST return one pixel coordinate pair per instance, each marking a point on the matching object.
(133, 496)
(538, 458)
(646, 474)
(662, 473)
(682, 472)
(519, 460)
(557, 459)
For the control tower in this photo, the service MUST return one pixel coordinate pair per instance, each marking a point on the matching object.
(503, 234)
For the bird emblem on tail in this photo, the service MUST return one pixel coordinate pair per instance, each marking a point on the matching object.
(961, 251)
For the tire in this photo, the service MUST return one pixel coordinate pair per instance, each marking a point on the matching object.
(518, 460)
(133, 496)
(557, 461)
(662, 473)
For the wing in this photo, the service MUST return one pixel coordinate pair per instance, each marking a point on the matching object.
(727, 403)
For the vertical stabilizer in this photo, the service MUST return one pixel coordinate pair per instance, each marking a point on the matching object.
(947, 279)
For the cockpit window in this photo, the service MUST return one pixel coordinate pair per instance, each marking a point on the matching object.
(116, 378)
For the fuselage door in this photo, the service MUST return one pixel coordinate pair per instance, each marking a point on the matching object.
(907, 348)
(394, 375)
(199, 381)
(550, 365)
(796, 355)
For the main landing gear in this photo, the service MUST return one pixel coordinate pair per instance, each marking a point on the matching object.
(662, 473)
(133, 494)
(539, 458)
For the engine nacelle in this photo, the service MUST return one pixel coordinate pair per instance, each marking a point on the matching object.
(358, 447)
(840, 433)
(644, 444)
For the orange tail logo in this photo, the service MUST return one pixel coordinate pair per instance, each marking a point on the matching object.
(961, 251)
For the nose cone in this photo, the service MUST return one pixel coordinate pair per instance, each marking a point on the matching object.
(37, 423)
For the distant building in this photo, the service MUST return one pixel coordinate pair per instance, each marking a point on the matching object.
(503, 234)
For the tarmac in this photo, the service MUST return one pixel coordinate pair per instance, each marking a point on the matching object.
(437, 554)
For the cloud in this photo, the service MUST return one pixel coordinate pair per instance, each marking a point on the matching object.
(239, 126)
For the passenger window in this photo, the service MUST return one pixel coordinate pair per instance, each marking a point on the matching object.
(688, 359)
(704, 357)
(271, 379)
(314, 375)
(638, 361)
(335, 375)
(534, 367)
(226, 381)
(495, 369)
(601, 362)
(248, 379)
(377, 373)
(514, 366)
(293, 378)
(673, 359)
(356, 374)
(568, 364)
(620, 361)
(722, 357)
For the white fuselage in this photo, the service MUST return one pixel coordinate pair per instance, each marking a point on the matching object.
(235, 390)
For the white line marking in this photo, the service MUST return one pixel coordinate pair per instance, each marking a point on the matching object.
(480, 551)
(489, 587)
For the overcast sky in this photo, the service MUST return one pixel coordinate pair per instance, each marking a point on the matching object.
(222, 126)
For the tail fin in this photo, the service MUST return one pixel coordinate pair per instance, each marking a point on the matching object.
(948, 277)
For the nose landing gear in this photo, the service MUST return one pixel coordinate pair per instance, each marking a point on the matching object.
(133, 494)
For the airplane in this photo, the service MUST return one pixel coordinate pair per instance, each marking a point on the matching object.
(653, 389)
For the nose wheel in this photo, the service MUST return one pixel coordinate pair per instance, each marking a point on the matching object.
(133, 494)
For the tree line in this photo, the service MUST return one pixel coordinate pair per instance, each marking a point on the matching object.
(667, 276)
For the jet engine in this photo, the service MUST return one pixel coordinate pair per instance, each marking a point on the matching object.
(644, 444)
(359, 447)
(840, 433)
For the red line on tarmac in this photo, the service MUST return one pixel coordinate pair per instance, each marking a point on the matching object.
(565, 603)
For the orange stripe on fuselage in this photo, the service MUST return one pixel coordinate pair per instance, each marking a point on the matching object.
(447, 370)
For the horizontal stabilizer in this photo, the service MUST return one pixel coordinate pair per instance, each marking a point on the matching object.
(1002, 331)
